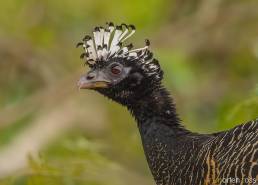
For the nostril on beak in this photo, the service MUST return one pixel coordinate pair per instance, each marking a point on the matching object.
(90, 76)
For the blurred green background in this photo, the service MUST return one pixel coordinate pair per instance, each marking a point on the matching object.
(50, 133)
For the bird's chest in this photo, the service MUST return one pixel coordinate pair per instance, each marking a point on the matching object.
(158, 152)
(160, 161)
(171, 166)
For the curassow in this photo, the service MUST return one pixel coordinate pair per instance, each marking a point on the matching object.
(176, 156)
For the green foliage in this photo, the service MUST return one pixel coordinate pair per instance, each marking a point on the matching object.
(72, 160)
(208, 50)
(7, 134)
(246, 110)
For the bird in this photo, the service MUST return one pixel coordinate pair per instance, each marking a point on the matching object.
(175, 155)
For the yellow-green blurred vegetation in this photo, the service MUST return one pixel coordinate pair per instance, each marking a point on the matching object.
(50, 133)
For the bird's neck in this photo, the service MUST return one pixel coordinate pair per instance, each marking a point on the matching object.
(161, 132)
(156, 112)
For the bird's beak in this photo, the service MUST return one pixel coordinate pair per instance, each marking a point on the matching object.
(85, 83)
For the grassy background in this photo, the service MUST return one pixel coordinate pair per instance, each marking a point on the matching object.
(52, 134)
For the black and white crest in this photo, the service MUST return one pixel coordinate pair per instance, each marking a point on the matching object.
(109, 43)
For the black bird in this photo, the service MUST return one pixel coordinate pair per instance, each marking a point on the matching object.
(176, 156)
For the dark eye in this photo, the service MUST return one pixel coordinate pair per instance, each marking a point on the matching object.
(116, 69)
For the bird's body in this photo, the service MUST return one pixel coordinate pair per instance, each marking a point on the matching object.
(175, 155)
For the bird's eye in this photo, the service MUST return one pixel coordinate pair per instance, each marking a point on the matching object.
(116, 69)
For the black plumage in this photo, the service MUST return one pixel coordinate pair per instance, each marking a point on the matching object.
(175, 155)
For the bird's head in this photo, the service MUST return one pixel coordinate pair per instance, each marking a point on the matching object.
(117, 70)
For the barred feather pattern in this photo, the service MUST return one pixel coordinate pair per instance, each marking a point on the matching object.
(222, 158)
(177, 156)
